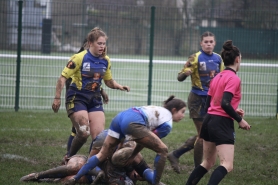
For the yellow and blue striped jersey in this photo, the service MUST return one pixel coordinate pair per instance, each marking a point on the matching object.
(204, 67)
(87, 71)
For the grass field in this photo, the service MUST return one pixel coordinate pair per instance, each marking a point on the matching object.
(33, 141)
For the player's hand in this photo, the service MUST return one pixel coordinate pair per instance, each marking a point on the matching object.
(124, 88)
(56, 104)
(188, 72)
(104, 96)
(240, 112)
(244, 125)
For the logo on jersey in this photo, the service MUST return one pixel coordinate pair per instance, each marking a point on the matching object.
(86, 66)
(92, 86)
(71, 65)
(203, 66)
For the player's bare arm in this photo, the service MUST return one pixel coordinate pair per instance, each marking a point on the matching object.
(181, 77)
(185, 73)
(114, 85)
(57, 99)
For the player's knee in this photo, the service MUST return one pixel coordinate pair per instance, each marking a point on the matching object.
(208, 164)
(83, 131)
(75, 163)
(74, 168)
(163, 151)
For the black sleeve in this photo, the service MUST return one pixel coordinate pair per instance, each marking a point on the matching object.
(207, 105)
(226, 106)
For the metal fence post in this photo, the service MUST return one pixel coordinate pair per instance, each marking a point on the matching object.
(151, 54)
(277, 104)
(18, 60)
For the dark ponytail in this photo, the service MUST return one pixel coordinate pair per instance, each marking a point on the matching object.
(173, 102)
(229, 53)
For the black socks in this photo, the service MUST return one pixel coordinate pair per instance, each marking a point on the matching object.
(217, 175)
(196, 175)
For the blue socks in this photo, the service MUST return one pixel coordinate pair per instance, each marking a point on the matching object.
(149, 175)
(91, 163)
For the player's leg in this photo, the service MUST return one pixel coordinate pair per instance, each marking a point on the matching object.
(198, 146)
(151, 141)
(77, 106)
(73, 165)
(209, 161)
(69, 142)
(196, 105)
(80, 121)
(71, 137)
(97, 123)
(140, 166)
(174, 156)
(225, 153)
(97, 143)
(107, 150)
(73, 131)
(224, 138)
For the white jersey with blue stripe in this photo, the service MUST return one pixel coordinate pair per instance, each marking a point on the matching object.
(155, 116)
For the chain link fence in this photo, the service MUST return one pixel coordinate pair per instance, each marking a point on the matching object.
(53, 31)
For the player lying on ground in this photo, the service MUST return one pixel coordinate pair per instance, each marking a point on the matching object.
(113, 171)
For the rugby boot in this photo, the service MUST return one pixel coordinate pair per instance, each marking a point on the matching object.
(174, 162)
(30, 177)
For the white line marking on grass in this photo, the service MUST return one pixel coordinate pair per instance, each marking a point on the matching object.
(32, 130)
(17, 157)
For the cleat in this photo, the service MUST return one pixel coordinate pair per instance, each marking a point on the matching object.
(174, 162)
(30, 177)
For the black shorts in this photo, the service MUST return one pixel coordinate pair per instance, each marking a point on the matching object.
(218, 129)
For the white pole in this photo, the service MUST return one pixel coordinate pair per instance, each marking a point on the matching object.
(48, 9)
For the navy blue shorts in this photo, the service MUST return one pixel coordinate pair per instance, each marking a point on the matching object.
(83, 100)
(218, 129)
